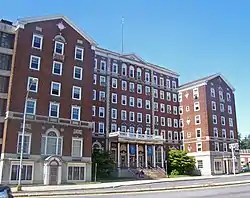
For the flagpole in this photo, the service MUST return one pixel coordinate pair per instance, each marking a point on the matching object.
(122, 34)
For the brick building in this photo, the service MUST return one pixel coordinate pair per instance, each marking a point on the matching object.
(79, 96)
(208, 120)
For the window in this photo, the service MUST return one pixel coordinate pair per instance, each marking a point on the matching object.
(124, 69)
(176, 136)
(124, 100)
(217, 166)
(181, 136)
(168, 96)
(131, 87)
(103, 66)
(213, 106)
(113, 127)
(139, 102)
(102, 81)
(96, 63)
(101, 96)
(199, 164)
(77, 146)
(197, 119)
(124, 85)
(216, 146)
(115, 68)
(32, 84)
(26, 175)
(214, 119)
(181, 110)
(198, 133)
(168, 83)
(139, 73)
(54, 109)
(114, 98)
(228, 97)
(199, 147)
(174, 98)
(37, 41)
(31, 106)
(75, 113)
(163, 108)
(175, 110)
(161, 82)
(93, 110)
(114, 83)
(51, 144)
(131, 101)
(196, 93)
(147, 77)
(231, 124)
(27, 143)
(94, 79)
(187, 109)
(231, 134)
(222, 107)
(229, 107)
(174, 84)
(139, 88)
(212, 91)
(77, 73)
(148, 120)
(215, 130)
(147, 104)
(101, 112)
(101, 127)
(175, 123)
(196, 106)
(55, 89)
(139, 117)
(123, 115)
(94, 95)
(180, 97)
(35, 62)
(114, 113)
(221, 96)
(225, 147)
(155, 93)
(155, 80)
(59, 48)
(131, 116)
(76, 173)
(162, 94)
(131, 72)
(181, 123)
(156, 120)
(79, 53)
(170, 135)
(57, 68)
(223, 122)
(76, 93)
(169, 122)
(155, 106)
(224, 133)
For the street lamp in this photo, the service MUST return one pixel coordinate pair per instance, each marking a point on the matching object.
(166, 167)
(233, 147)
(31, 82)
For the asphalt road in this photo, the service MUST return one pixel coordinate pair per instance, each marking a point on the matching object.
(239, 191)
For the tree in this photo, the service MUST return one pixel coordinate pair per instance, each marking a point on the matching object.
(179, 162)
(105, 163)
(245, 142)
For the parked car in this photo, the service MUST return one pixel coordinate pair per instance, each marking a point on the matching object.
(5, 192)
(245, 169)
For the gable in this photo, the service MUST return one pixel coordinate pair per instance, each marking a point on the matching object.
(24, 21)
(133, 57)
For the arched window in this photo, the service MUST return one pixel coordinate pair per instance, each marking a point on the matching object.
(131, 71)
(96, 146)
(124, 69)
(138, 73)
(51, 143)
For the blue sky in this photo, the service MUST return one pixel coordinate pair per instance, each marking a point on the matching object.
(193, 37)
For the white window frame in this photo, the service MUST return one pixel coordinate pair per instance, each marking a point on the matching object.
(215, 118)
(197, 105)
(93, 110)
(34, 108)
(213, 103)
(101, 109)
(124, 98)
(196, 92)
(230, 111)
(80, 92)
(222, 107)
(57, 62)
(58, 42)
(59, 89)
(19, 137)
(76, 78)
(212, 92)
(79, 114)
(36, 84)
(231, 123)
(199, 145)
(82, 53)
(99, 124)
(114, 95)
(114, 110)
(124, 68)
(80, 165)
(25, 163)
(139, 115)
(197, 117)
(38, 62)
(132, 113)
(58, 109)
(123, 112)
(114, 82)
(147, 104)
(41, 43)
(105, 66)
(215, 146)
(222, 118)
(115, 65)
(224, 131)
(215, 132)
(76, 139)
(180, 110)
(196, 132)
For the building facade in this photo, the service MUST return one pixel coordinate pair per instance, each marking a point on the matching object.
(208, 120)
(49, 80)
(78, 96)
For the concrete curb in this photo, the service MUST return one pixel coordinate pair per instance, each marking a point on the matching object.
(66, 192)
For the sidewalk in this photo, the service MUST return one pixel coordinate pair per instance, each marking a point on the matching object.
(83, 186)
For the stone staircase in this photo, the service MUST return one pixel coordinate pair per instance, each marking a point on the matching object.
(154, 173)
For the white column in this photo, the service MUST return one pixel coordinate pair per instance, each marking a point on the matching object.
(227, 166)
(59, 179)
(137, 156)
(128, 156)
(46, 172)
(154, 160)
(118, 155)
(162, 157)
(146, 156)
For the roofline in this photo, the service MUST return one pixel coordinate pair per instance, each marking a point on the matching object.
(24, 21)
(205, 81)
(156, 67)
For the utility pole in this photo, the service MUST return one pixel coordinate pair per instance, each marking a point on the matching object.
(234, 147)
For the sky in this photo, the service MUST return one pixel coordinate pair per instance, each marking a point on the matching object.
(195, 38)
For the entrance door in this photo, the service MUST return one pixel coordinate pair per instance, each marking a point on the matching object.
(53, 174)
(150, 161)
(132, 161)
(141, 161)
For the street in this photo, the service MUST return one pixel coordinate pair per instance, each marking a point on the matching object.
(239, 191)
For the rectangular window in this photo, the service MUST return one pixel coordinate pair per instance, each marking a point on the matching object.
(27, 143)
(231, 124)
(162, 121)
(175, 123)
(55, 89)
(168, 96)
(114, 113)
(225, 147)
(139, 102)
(224, 133)
(222, 107)
(27, 172)
(198, 133)
(199, 164)
(102, 81)
(77, 146)
(147, 104)
(94, 79)
(35, 62)
(181, 110)
(114, 98)
(93, 110)
(123, 115)
(57, 68)
(196, 93)
(212, 91)
(101, 128)
(221, 96)
(103, 66)
(231, 134)
(213, 106)
(115, 68)
(131, 101)
(77, 73)
(216, 146)
(131, 116)
(124, 100)
(101, 112)
(76, 93)
(32, 84)
(215, 130)
(223, 121)
(229, 107)
(79, 53)
(59, 48)
(147, 77)
(31, 106)
(197, 120)
(228, 97)
(198, 147)
(114, 83)
(168, 83)
(139, 89)
(197, 106)
(76, 173)
(131, 87)
(37, 41)
(174, 84)
(170, 135)
(148, 120)
(174, 97)
(54, 109)
(214, 119)
(139, 117)
(124, 85)
(75, 113)
(51, 144)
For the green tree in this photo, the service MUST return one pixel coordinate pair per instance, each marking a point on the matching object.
(245, 142)
(104, 161)
(179, 162)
